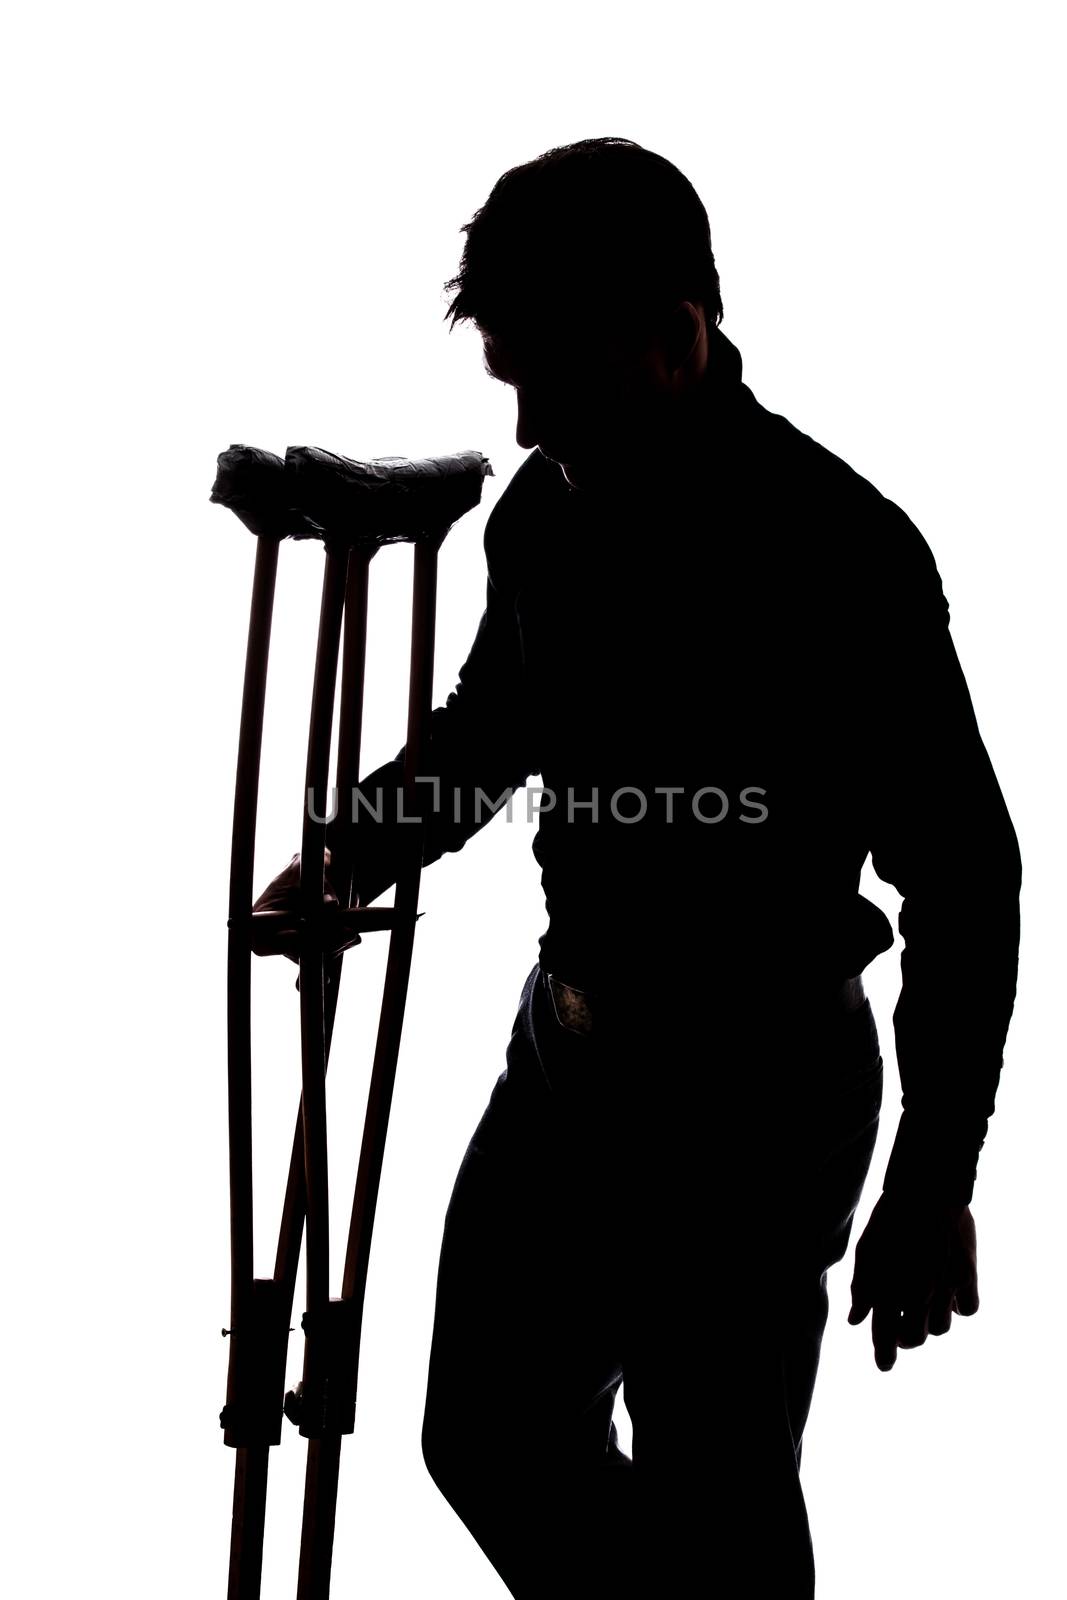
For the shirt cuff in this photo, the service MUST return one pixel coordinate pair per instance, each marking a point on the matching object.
(934, 1159)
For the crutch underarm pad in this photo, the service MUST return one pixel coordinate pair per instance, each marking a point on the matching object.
(386, 499)
(254, 485)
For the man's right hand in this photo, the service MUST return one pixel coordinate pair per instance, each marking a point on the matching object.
(283, 894)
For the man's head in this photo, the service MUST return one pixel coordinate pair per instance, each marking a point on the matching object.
(590, 275)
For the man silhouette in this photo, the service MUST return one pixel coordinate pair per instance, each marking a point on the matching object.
(727, 656)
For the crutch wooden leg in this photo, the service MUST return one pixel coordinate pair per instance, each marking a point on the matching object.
(324, 1453)
(318, 1391)
(251, 483)
(290, 1234)
(341, 1335)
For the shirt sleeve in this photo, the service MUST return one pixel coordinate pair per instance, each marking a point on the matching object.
(478, 751)
(943, 838)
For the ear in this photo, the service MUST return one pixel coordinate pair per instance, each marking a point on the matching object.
(684, 329)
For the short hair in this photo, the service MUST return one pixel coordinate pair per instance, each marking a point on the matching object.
(601, 218)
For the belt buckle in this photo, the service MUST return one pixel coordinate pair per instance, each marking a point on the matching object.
(572, 1006)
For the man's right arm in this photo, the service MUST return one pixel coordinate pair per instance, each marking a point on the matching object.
(478, 748)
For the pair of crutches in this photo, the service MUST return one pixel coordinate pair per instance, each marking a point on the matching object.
(352, 507)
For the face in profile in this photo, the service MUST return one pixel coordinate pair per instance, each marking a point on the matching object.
(587, 401)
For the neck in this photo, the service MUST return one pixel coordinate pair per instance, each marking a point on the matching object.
(682, 442)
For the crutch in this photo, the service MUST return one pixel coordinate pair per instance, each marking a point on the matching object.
(353, 507)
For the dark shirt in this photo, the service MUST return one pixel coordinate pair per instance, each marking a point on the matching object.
(767, 634)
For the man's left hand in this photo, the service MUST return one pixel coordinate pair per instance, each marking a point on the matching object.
(916, 1264)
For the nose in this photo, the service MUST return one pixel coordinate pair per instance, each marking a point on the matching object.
(535, 424)
(527, 433)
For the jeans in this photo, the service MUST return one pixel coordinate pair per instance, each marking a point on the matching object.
(655, 1204)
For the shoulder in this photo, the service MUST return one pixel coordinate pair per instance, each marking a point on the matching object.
(842, 518)
(536, 491)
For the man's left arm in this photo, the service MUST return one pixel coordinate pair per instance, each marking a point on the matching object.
(942, 835)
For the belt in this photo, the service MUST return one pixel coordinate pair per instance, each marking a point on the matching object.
(576, 1009)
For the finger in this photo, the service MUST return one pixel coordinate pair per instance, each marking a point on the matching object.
(966, 1298)
(861, 1296)
(913, 1327)
(940, 1318)
(967, 1269)
(885, 1319)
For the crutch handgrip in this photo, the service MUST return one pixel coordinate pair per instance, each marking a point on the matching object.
(333, 930)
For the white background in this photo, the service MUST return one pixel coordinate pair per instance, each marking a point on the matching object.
(231, 224)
